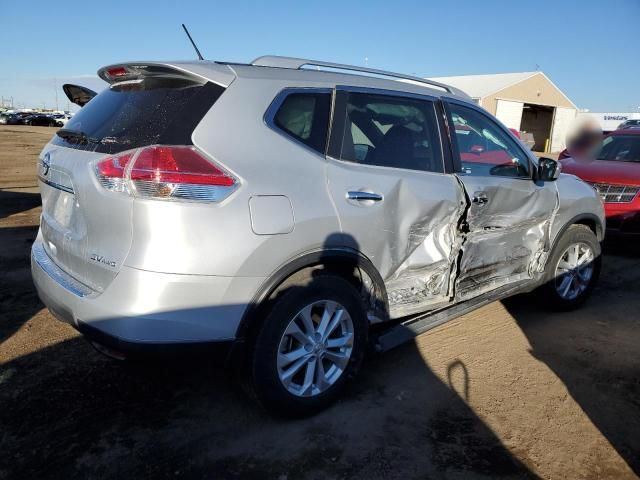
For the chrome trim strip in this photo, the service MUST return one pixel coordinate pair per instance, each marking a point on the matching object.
(56, 185)
(65, 280)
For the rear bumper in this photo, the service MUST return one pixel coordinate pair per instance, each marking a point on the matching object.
(119, 348)
(142, 309)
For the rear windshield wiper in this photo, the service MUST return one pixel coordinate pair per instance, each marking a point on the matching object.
(73, 136)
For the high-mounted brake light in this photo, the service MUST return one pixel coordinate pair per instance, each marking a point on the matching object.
(165, 172)
(116, 72)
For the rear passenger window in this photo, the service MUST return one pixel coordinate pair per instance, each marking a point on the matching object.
(305, 117)
(387, 131)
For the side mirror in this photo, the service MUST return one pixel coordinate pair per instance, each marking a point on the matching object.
(548, 169)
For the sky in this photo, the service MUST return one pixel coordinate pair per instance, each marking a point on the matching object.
(588, 48)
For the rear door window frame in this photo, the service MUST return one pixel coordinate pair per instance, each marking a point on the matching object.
(338, 118)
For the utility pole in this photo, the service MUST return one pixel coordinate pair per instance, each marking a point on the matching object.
(55, 89)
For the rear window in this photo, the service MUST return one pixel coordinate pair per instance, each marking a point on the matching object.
(132, 115)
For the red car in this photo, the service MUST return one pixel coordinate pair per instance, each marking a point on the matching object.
(615, 173)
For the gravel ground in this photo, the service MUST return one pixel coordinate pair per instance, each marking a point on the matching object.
(511, 390)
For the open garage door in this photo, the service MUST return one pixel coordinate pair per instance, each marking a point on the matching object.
(537, 120)
(509, 113)
(561, 123)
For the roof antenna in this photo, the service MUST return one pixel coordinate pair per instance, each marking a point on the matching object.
(192, 42)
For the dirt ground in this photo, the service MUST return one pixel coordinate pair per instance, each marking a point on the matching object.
(511, 390)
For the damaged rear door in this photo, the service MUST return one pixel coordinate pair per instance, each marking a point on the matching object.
(396, 205)
(506, 227)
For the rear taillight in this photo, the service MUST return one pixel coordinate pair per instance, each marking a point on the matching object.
(165, 172)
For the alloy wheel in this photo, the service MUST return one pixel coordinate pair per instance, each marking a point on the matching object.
(315, 349)
(574, 271)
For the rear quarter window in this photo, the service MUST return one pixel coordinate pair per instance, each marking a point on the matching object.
(304, 116)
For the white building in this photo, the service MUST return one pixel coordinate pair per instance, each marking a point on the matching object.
(526, 101)
(610, 121)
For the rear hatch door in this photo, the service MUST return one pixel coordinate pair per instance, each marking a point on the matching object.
(86, 229)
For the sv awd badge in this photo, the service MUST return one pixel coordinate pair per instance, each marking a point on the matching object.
(101, 259)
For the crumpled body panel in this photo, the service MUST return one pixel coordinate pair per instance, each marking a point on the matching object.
(411, 236)
(507, 238)
(432, 244)
(424, 279)
(491, 259)
(479, 249)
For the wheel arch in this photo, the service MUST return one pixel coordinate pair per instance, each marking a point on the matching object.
(588, 219)
(341, 261)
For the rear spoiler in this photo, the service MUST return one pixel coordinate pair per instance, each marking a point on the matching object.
(200, 72)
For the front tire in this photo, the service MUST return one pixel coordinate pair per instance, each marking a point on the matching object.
(573, 268)
(311, 342)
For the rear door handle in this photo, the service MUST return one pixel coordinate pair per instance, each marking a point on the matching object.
(361, 196)
(480, 198)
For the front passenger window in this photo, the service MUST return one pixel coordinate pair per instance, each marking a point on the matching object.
(484, 148)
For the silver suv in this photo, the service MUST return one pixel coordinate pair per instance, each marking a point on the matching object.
(296, 213)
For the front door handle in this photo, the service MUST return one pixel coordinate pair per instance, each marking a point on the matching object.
(361, 196)
(480, 198)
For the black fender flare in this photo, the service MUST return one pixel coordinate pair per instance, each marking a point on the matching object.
(584, 219)
(307, 260)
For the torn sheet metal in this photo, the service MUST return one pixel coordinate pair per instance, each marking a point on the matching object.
(493, 258)
(424, 280)
(410, 235)
(507, 238)
(431, 243)
(424, 253)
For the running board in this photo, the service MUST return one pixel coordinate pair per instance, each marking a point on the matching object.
(414, 326)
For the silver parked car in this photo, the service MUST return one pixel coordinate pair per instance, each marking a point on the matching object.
(296, 216)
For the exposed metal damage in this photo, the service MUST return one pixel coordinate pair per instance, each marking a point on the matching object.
(423, 279)
(473, 251)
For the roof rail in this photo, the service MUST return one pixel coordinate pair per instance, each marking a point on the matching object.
(298, 63)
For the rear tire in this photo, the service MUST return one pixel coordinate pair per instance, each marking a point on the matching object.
(316, 330)
(572, 269)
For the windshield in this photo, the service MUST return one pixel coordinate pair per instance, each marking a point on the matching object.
(620, 148)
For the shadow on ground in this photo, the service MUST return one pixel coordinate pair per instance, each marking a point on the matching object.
(16, 201)
(67, 412)
(605, 383)
(18, 301)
